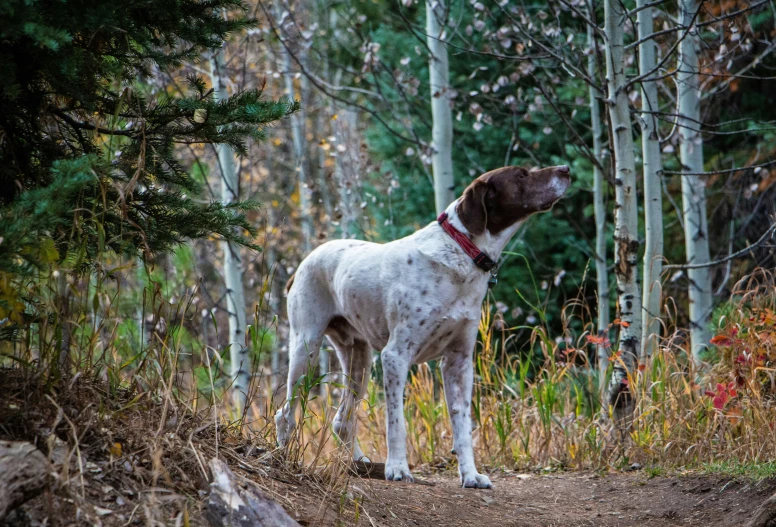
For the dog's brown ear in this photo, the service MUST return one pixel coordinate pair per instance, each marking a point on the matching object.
(471, 209)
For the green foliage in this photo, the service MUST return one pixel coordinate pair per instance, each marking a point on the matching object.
(87, 158)
(503, 115)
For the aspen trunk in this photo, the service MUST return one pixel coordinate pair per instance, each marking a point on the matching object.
(653, 202)
(625, 216)
(441, 113)
(233, 270)
(696, 239)
(346, 167)
(323, 184)
(301, 165)
(599, 207)
(299, 142)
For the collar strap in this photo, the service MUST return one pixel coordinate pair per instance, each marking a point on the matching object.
(480, 259)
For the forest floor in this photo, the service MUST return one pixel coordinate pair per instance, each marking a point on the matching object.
(562, 499)
(121, 460)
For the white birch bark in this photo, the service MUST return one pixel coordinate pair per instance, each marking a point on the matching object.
(625, 215)
(653, 202)
(441, 113)
(599, 208)
(301, 160)
(696, 239)
(239, 357)
(298, 140)
(346, 167)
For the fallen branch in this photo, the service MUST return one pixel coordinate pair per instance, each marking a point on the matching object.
(234, 504)
(765, 514)
(24, 473)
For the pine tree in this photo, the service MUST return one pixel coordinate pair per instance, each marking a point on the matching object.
(88, 157)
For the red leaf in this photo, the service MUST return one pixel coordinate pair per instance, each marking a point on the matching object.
(721, 340)
(642, 367)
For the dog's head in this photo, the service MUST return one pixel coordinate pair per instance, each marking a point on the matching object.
(502, 197)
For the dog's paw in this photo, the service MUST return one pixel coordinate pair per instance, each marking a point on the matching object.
(398, 472)
(362, 458)
(476, 481)
(358, 454)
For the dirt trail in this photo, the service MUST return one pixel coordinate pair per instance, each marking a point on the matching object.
(566, 499)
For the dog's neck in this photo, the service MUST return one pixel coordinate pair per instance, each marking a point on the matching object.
(492, 244)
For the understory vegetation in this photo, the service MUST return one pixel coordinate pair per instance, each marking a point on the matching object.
(539, 410)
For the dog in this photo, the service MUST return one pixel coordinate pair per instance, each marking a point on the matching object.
(415, 299)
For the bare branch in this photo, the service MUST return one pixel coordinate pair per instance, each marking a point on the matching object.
(737, 254)
(315, 81)
(646, 6)
(715, 172)
(669, 54)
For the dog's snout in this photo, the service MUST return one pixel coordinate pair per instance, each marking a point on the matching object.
(563, 169)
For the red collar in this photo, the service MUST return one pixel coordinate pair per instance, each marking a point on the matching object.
(481, 259)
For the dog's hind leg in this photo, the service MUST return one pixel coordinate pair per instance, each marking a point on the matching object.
(355, 359)
(302, 358)
(308, 316)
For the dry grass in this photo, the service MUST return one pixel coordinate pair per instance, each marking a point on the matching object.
(163, 403)
(551, 417)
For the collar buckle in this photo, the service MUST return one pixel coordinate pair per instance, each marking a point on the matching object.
(480, 258)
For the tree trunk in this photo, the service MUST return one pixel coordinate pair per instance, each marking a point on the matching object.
(233, 269)
(323, 184)
(653, 202)
(301, 164)
(625, 215)
(298, 139)
(696, 239)
(346, 167)
(599, 206)
(441, 113)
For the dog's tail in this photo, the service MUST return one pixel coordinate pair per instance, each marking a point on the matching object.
(290, 283)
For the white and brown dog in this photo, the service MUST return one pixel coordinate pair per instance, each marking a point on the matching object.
(416, 299)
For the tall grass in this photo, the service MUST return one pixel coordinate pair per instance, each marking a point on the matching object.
(145, 333)
(549, 415)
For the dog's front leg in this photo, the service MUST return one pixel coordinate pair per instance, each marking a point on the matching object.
(458, 376)
(396, 365)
